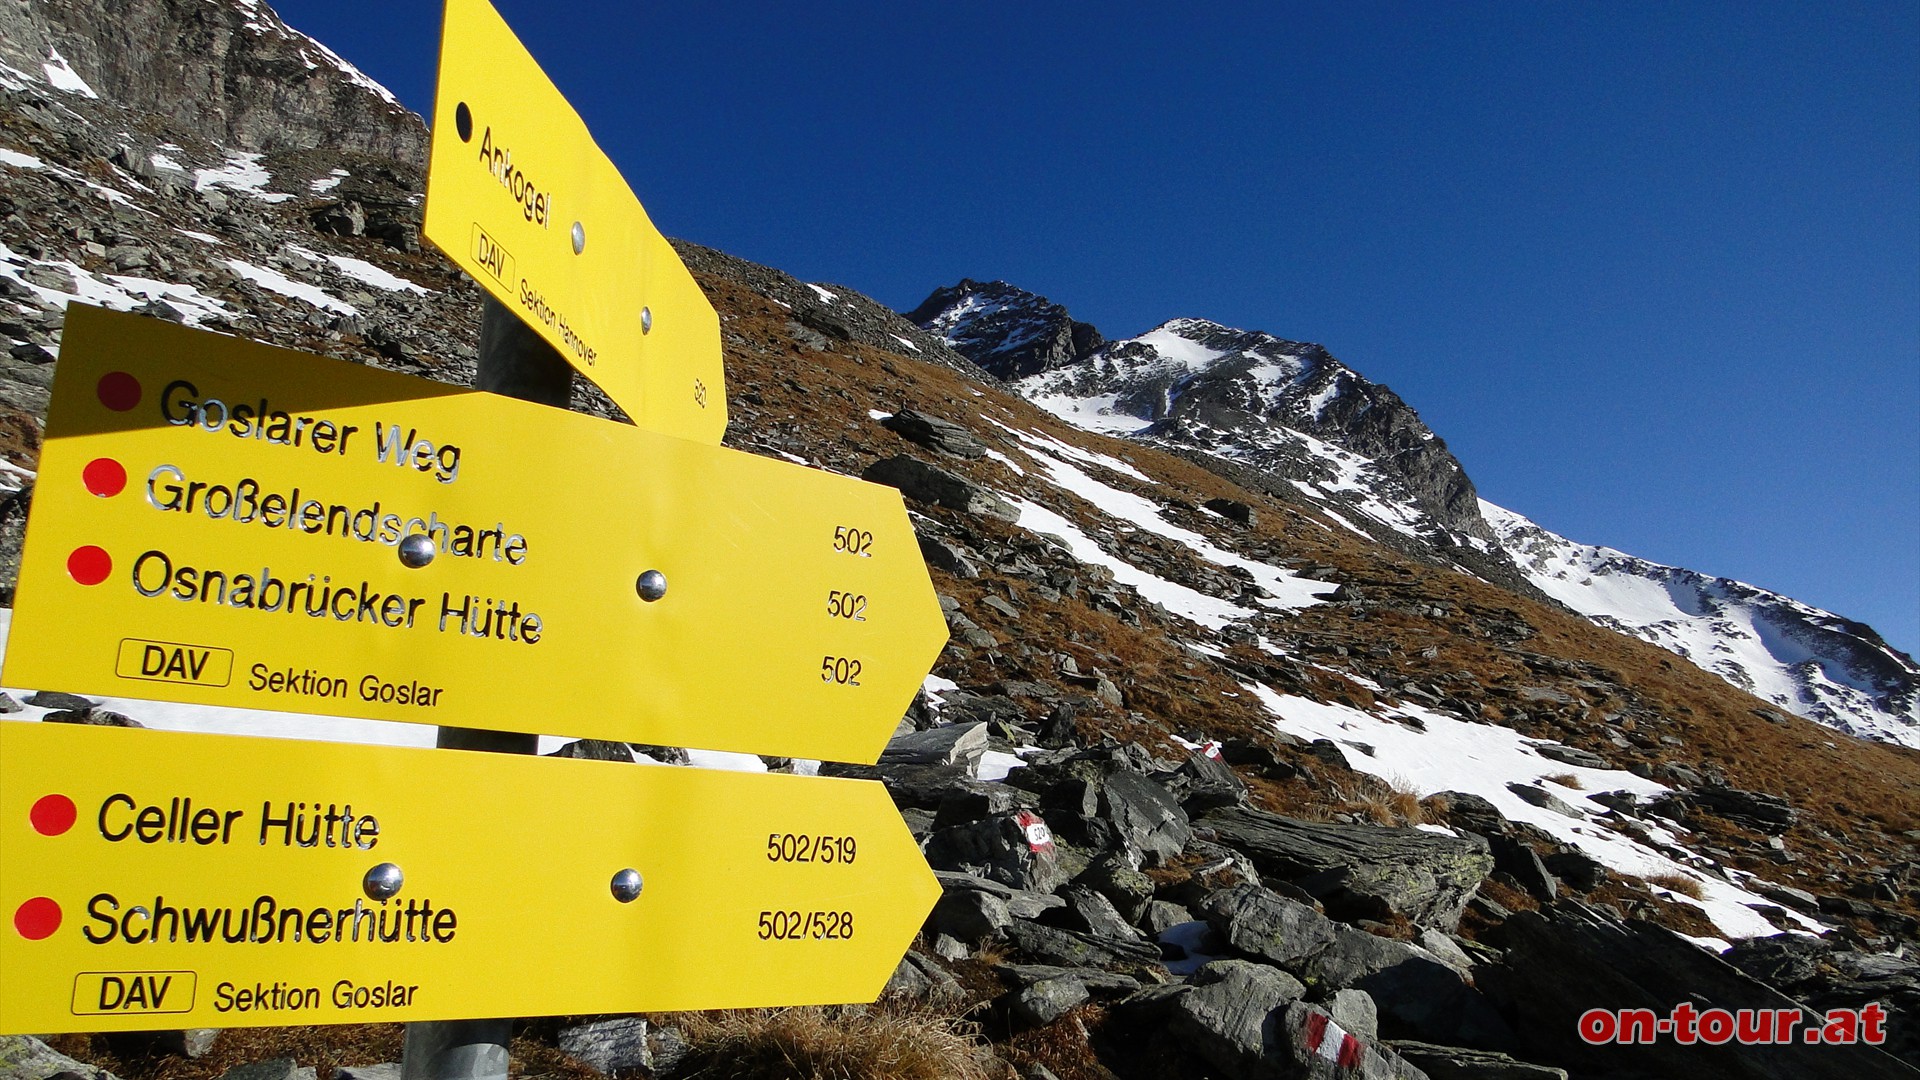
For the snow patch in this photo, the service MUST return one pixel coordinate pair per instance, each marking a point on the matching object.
(61, 76)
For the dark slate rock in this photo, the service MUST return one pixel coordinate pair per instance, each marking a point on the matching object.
(935, 434)
(952, 558)
(1355, 1012)
(1206, 783)
(1068, 948)
(1161, 916)
(1315, 1041)
(1361, 870)
(1473, 813)
(1544, 799)
(178, 1042)
(1000, 849)
(1049, 999)
(930, 484)
(1021, 903)
(1233, 510)
(93, 717)
(386, 1070)
(23, 1057)
(594, 750)
(968, 915)
(953, 744)
(1580, 871)
(1755, 809)
(9, 705)
(1518, 859)
(609, 1046)
(1566, 959)
(1102, 982)
(1124, 886)
(917, 978)
(1460, 1063)
(1231, 1016)
(1090, 912)
(1417, 995)
(54, 699)
(1262, 924)
(1571, 755)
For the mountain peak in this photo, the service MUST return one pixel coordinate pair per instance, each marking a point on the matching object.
(1005, 329)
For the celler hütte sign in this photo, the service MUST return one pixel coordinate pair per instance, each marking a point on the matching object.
(227, 523)
(524, 200)
(161, 880)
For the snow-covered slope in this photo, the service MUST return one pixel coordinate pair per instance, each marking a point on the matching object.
(1805, 660)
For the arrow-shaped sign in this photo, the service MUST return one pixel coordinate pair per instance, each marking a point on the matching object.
(523, 199)
(153, 879)
(226, 523)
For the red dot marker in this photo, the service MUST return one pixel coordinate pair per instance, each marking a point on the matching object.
(104, 477)
(37, 918)
(52, 815)
(89, 565)
(118, 391)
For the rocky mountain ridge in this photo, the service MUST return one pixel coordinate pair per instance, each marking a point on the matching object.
(1215, 782)
(1357, 451)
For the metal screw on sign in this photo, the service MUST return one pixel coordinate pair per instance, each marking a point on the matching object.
(417, 551)
(382, 882)
(651, 586)
(646, 321)
(626, 885)
(579, 238)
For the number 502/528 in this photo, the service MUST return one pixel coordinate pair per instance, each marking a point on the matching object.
(799, 925)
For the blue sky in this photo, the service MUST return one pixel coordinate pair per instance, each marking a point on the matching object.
(1652, 270)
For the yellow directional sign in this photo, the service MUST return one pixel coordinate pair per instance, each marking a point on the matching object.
(520, 196)
(227, 523)
(152, 879)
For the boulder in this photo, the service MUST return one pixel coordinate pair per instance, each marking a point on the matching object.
(1230, 1016)
(1262, 924)
(1563, 960)
(935, 434)
(926, 483)
(1363, 871)
(953, 744)
(1000, 848)
(1071, 948)
(1417, 995)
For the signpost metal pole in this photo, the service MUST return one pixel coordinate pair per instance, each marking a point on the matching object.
(515, 362)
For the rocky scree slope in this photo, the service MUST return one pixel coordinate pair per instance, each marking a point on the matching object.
(1288, 419)
(1202, 689)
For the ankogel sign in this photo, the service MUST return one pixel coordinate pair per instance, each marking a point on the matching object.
(155, 879)
(524, 200)
(227, 523)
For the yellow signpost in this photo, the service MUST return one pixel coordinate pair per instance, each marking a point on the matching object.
(227, 523)
(521, 197)
(155, 879)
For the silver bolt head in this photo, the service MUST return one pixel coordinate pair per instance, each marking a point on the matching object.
(579, 238)
(646, 320)
(382, 882)
(417, 551)
(651, 586)
(626, 885)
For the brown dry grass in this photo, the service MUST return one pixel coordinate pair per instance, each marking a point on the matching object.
(325, 1048)
(1566, 780)
(1679, 883)
(880, 1042)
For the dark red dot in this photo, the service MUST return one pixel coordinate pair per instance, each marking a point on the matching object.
(89, 565)
(119, 391)
(37, 918)
(105, 477)
(52, 815)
